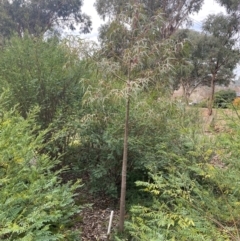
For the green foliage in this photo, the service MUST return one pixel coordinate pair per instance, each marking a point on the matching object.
(167, 8)
(232, 6)
(194, 190)
(151, 123)
(34, 204)
(224, 98)
(35, 72)
(100, 149)
(38, 16)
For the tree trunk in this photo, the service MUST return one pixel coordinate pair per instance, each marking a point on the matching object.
(124, 167)
(185, 92)
(210, 104)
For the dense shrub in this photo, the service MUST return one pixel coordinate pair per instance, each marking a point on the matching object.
(36, 72)
(101, 144)
(34, 205)
(224, 98)
(194, 192)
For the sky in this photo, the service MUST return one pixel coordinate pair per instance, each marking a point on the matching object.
(209, 7)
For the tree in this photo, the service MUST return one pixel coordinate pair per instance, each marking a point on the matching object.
(192, 67)
(231, 5)
(209, 57)
(174, 13)
(189, 72)
(38, 16)
(143, 61)
(233, 9)
(218, 51)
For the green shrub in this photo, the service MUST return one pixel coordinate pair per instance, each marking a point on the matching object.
(195, 192)
(101, 147)
(35, 72)
(224, 98)
(34, 204)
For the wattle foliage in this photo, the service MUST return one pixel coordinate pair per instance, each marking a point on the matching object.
(194, 188)
(34, 204)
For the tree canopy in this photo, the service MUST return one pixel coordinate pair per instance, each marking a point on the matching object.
(38, 16)
(174, 12)
(219, 51)
(204, 55)
(231, 5)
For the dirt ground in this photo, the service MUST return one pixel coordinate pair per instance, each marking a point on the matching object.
(219, 118)
(203, 92)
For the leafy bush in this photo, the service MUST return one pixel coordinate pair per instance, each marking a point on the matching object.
(194, 190)
(101, 148)
(34, 204)
(223, 98)
(35, 72)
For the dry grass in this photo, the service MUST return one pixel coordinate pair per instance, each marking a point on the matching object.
(218, 121)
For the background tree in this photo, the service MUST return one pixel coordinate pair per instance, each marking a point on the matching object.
(38, 16)
(218, 50)
(231, 5)
(174, 13)
(188, 69)
(191, 69)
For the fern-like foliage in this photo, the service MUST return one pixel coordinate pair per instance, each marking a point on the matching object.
(34, 204)
(193, 188)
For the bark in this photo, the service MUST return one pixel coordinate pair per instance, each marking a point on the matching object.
(210, 105)
(124, 168)
(185, 94)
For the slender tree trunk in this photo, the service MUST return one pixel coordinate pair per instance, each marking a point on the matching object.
(186, 95)
(210, 104)
(184, 92)
(124, 167)
(125, 157)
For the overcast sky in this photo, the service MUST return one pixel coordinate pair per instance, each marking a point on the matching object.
(209, 7)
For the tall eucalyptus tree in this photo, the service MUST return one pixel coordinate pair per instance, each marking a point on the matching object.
(174, 13)
(203, 54)
(218, 49)
(38, 16)
(231, 5)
